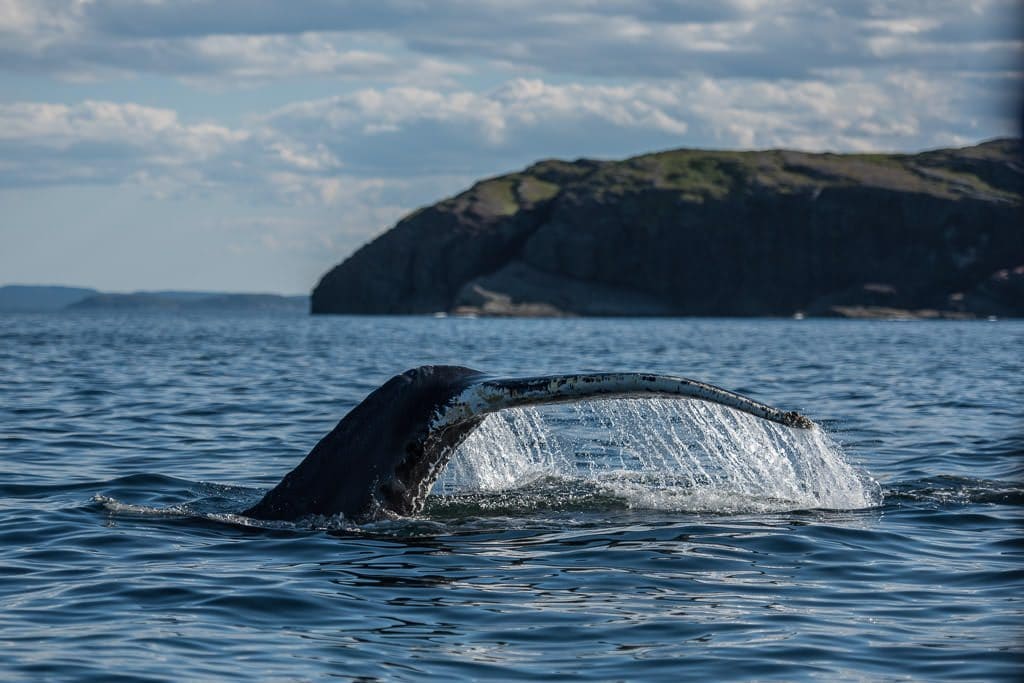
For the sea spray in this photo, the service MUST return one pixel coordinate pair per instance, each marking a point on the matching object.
(508, 450)
(665, 454)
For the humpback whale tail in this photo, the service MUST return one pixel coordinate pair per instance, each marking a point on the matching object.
(387, 452)
(492, 395)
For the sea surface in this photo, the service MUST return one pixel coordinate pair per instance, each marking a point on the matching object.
(620, 540)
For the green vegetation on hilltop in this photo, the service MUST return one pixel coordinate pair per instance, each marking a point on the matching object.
(710, 175)
(699, 232)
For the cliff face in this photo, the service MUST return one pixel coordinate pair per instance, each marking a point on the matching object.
(708, 233)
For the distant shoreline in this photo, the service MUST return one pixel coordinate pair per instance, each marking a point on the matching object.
(57, 298)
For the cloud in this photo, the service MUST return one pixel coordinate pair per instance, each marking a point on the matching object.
(339, 149)
(297, 152)
(412, 131)
(411, 100)
(106, 143)
(379, 147)
(484, 17)
(153, 150)
(393, 39)
(226, 61)
(96, 40)
(406, 131)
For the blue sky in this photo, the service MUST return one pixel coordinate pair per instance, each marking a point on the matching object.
(249, 145)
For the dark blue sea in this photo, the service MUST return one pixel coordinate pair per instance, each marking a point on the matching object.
(619, 540)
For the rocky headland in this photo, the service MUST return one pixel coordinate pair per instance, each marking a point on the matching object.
(710, 233)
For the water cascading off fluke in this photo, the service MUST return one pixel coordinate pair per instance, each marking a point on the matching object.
(664, 454)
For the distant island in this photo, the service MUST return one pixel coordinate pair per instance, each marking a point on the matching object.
(710, 233)
(41, 299)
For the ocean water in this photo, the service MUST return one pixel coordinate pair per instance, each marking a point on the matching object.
(620, 540)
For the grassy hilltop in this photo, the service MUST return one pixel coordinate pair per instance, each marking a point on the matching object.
(694, 232)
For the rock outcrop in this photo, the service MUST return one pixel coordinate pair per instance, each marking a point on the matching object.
(691, 232)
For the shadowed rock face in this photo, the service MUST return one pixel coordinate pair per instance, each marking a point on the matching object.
(708, 233)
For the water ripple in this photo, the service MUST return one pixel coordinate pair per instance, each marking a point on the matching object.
(129, 444)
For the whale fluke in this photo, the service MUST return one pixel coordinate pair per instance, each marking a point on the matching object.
(386, 453)
(492, 395)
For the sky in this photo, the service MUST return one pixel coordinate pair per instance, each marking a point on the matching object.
(250, 145)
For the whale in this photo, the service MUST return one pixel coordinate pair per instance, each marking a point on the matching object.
(383, 457)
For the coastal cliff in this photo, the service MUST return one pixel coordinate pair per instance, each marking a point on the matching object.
(693, 232)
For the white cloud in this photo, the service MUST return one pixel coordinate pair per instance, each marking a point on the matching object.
(231, 59)
(67, 40)
(407, 131)
(411, 101)
(345, 148)
(350, 113)
(229, 41)
(61, 126)
(607, 79)
(106, 142)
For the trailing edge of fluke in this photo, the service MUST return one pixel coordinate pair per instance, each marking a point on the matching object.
(383, 457)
